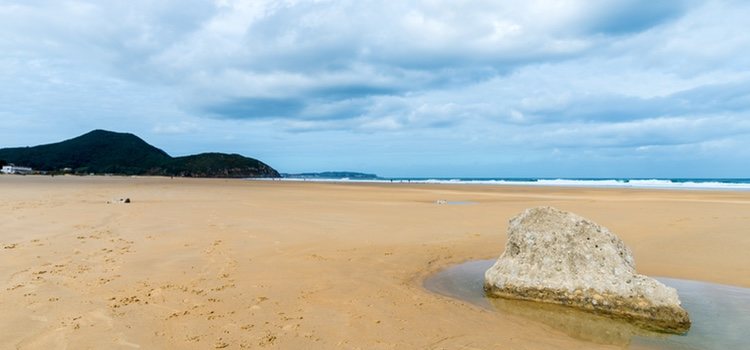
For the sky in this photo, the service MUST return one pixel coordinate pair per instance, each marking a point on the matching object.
(423, 88)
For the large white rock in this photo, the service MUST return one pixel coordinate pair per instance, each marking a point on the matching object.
(559, 257)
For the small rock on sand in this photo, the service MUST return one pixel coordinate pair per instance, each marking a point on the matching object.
(124, 200)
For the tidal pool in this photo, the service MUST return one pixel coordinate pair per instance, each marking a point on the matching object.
(720, 313)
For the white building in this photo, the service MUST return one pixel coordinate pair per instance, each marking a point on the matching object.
(12, 169)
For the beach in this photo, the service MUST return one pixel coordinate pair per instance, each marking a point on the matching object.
(214, 263)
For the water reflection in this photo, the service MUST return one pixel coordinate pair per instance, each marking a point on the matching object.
(720, 314)
(575, 323)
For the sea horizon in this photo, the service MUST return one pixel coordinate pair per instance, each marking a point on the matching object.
(734, 184)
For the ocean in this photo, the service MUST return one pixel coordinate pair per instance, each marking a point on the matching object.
(738, 184)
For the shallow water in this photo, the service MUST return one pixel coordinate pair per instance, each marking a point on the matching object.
(720, 313)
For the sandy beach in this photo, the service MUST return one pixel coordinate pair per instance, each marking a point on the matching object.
(235, 264)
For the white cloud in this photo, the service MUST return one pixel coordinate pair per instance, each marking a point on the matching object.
(542, 74)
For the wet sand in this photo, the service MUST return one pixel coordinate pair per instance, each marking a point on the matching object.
(243, 264)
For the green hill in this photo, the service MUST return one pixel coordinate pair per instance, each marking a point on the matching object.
(109, 152)
(218, 165)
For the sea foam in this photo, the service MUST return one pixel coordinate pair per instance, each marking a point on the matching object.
(698, 184)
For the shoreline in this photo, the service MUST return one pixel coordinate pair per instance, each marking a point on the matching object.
(680, 184)
(199, 263)
(585, 183)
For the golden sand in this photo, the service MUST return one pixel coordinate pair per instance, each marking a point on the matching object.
(248, 264)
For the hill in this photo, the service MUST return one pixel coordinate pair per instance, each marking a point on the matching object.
(218, 165)
(106, 152)
(333, 175)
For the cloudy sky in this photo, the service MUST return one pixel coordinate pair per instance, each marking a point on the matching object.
(539, 88)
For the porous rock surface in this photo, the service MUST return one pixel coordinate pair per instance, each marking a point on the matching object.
(559, 257)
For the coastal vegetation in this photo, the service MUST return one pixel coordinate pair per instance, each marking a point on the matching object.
(106, 152)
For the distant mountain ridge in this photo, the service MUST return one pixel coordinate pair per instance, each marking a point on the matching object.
(107, 152)
(333, 175)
